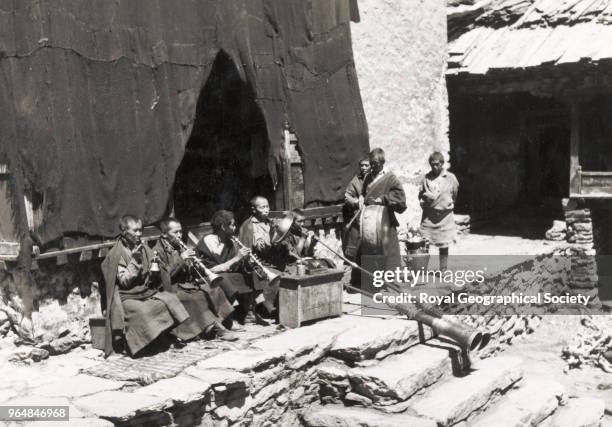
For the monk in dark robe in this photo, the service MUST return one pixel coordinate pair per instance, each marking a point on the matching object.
(223, 257)
(382, 187)
(353, 202)
(137, 307)
(256, 235)
(207, 305)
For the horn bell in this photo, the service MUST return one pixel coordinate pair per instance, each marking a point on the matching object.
(281, 228)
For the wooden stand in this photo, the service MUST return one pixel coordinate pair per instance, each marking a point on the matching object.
(97, 327)
(310, 297)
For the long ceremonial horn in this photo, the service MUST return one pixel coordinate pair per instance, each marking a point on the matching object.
(467, 337)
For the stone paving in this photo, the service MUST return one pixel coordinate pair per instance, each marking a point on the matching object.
(167, 364)
(347, 371)
(365, 371)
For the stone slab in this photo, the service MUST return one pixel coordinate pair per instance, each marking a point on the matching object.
(377, 338)
(121, 406)
(7, 394)
(452, 401)
(18, 377)
(182, 389)
(243, 360)
(73, 422)
(530, 404)
(307, 344)
(216, 377)
(73, 412)
(341, 416)
(332, 371)
(583, 412)
(80, 385)
(398, 377)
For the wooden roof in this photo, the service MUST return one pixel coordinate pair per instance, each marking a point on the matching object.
(519, 34)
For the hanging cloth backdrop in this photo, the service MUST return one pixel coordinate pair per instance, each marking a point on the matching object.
(98, 98)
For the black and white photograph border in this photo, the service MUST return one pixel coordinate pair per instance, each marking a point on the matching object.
(309, 213)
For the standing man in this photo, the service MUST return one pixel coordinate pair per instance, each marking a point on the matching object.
(137, 306)
(437, 197)
(206, 304)
(353, 202)
(382, 187)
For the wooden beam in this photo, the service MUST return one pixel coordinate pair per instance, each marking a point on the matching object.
(85, 256)
(286, 172)
(575, 170)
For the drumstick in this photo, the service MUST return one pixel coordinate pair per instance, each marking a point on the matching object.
(348, 226)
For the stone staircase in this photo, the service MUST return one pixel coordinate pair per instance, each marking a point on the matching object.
(349, 371)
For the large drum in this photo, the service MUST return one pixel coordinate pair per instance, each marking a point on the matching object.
(378, 236)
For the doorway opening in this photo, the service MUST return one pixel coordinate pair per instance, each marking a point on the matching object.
(511, 154)
(226, 158)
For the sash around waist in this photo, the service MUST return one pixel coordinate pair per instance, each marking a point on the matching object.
(436, 215)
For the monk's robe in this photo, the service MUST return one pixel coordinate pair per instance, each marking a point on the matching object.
(136, 305)
(388, 189)
(205, 304)
(256, 235)
(235, 280)
(350, 235)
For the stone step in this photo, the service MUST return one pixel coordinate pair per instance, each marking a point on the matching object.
(342, 416)
(398, 377)
(582, 412)
(302, 346)
(376, 338)
(452, 401)
(529, 404)
(122, 407)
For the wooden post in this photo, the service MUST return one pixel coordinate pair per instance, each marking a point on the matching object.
(575, 169)
(287, 171)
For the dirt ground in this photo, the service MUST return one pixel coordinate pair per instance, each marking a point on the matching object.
(542, 350)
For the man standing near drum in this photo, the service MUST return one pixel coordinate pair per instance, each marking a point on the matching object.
(381, 188)
(437, 197)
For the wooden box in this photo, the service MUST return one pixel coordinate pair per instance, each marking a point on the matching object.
(310, 297)
(97, 327)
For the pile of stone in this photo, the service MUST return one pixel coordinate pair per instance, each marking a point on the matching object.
(462, 223)
(504, 330)
(579, 226)
(558, 232)
(592, 347)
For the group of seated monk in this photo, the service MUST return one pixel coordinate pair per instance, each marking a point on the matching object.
(171, 294)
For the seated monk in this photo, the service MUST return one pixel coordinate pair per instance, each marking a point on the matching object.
(255, 234)
(136, 306)
(219, 253)
(207, 305)
(298, 245)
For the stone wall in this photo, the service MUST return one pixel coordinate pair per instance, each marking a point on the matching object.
(54, 312)
(400, 54)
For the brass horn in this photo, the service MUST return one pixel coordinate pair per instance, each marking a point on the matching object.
(261, 270)
(205, 273)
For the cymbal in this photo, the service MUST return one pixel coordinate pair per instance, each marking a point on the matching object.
(281, 228)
